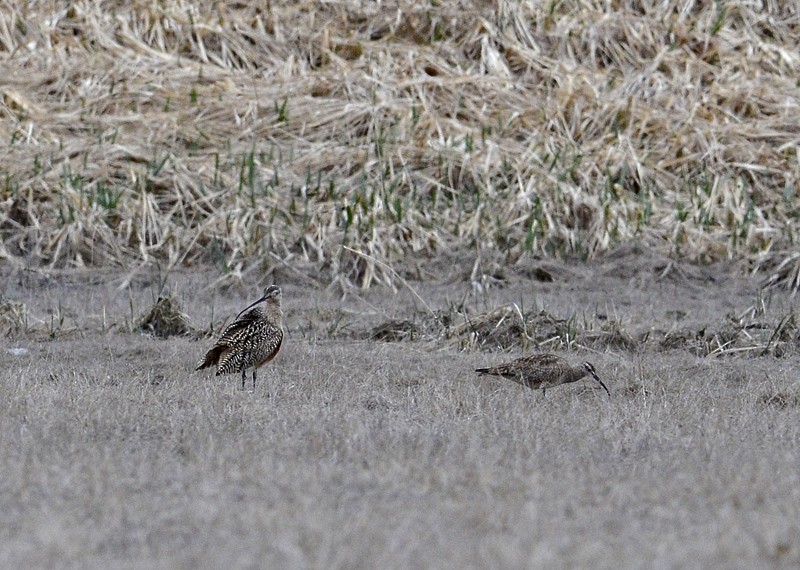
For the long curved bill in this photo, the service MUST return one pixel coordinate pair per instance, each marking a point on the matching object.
(261, 300)
(596, 377)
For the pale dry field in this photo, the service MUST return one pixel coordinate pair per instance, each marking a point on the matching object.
(364, 454)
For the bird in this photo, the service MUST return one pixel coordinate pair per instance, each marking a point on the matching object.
(252, 339)
(543, 371)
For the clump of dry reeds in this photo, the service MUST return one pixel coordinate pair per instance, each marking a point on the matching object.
(165, 319)
(734, 336)
(230, 132)
(508, 327)
(13, 317)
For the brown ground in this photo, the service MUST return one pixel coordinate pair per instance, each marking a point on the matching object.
(362, 453)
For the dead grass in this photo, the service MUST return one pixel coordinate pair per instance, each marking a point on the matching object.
(382, 455)
(242, 134)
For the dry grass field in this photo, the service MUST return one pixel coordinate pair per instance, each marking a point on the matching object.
(366, 453)
(436, 186)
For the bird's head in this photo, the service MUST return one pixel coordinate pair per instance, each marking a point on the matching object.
(271, 292)
(272, 295)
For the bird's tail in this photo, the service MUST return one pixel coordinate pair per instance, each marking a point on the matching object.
(211, 358)
(484, 370)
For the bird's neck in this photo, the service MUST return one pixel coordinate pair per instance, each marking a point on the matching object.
(576, 374)
(272, 310)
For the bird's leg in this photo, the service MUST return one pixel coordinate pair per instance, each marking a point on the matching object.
(544, 393)
(254, 379)
(242, 378)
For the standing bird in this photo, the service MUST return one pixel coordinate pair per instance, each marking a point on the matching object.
(543, 371)
(252, 339)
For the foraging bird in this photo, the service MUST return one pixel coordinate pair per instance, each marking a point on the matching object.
(543, 371)
(252, 339)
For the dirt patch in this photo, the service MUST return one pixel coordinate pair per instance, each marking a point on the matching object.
(744, 337)
(395, 331)
(781, 400)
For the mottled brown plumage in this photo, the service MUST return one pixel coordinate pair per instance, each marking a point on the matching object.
(543, 371)
(252, 339)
